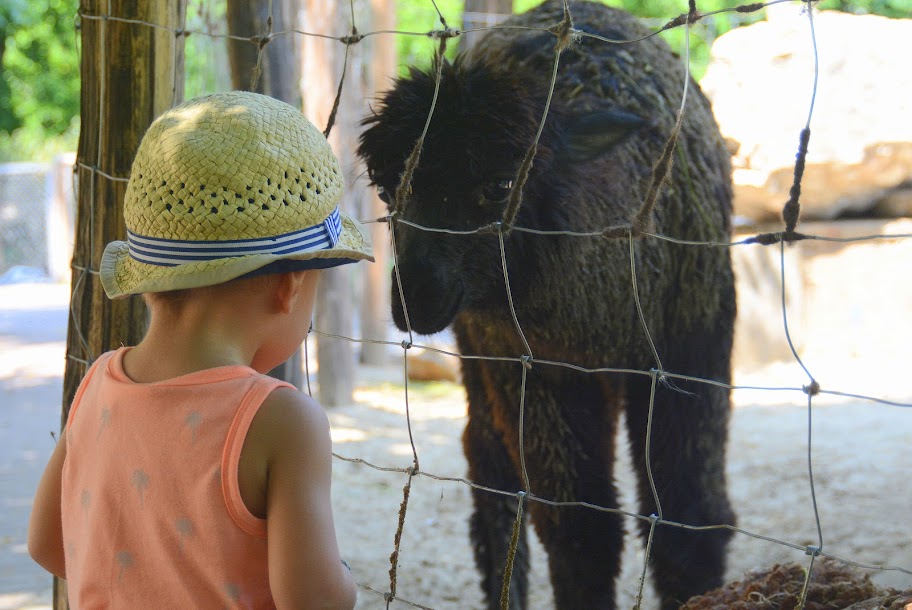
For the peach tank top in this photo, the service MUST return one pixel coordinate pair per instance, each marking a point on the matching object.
(151, 505)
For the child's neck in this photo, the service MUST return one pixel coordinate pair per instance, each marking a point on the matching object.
(189, 340)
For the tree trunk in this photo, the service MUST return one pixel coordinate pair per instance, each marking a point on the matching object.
(481, 14)
(324, 62)
(278, 74)
(272, 70)
(381, 51)
(130, 75)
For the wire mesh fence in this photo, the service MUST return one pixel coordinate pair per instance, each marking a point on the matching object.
(37, 213)
(630, 234)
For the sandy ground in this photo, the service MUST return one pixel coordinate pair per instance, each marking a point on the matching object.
(861, 455)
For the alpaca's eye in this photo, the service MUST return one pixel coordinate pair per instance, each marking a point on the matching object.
(498, 192)
(384, 195)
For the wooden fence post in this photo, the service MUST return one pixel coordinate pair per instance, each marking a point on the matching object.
(323, 64)
(131, 73)
(375, 312)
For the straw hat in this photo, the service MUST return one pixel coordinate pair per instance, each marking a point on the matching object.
(227, 185)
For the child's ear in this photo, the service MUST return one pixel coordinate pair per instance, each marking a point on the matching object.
(286, 289)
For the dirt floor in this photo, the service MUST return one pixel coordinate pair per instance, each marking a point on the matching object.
(861, 454)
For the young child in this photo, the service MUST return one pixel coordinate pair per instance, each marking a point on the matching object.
(186, 477)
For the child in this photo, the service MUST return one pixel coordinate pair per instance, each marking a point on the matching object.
(186, 477)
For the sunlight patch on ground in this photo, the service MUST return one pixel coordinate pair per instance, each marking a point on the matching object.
(346, 435)
(21, 601)
(447, 400)
(29, 365)
(29, 297)
(401, 449)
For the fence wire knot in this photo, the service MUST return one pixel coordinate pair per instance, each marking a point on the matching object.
(526, 361)
(445, 33)
(617, 232)
(812, 389)
(261, 41)
(564, 31)
(660, 376)
(406, 344)
(812, 550)
(355, 38)
(750, 8)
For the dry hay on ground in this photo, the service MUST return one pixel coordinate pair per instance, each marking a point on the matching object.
(833, 586)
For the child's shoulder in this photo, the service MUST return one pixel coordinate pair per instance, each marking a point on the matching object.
(288, 416)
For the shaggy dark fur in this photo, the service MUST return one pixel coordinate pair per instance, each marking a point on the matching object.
(613, 109)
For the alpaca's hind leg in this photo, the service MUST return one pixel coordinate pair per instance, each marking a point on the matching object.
(687, 461)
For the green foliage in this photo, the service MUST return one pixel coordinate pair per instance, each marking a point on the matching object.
(206, 67)
(39, 61)
(419, 18)
(422, 17)
(897, 9)
(39, 82)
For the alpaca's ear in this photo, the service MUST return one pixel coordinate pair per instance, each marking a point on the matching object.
(595, 133)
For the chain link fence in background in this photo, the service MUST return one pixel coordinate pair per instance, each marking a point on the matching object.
(37, 216)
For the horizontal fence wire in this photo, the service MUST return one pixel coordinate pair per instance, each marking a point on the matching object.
(639, 228)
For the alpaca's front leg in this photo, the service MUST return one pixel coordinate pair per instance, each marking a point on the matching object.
(494, 514)
(571, 424)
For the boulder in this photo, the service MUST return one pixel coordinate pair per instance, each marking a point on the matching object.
(433, 366)
(760, 80)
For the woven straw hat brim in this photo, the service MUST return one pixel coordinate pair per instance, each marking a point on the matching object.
(223, 185)
(122, 275)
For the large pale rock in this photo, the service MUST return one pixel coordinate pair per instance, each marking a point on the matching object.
(760, 80)
(846, 301)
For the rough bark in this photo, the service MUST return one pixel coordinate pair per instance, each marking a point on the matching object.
(271, 68)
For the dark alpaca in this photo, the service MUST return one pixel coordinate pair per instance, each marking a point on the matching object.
(613, 109)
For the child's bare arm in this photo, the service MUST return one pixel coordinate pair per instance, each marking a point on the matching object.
(45, 533)
(305, 569)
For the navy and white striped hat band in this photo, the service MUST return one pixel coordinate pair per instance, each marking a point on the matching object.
(173, 252)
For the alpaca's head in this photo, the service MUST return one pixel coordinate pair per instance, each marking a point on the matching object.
(484, 120)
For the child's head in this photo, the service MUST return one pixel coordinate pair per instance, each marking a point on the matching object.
(227, 186)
